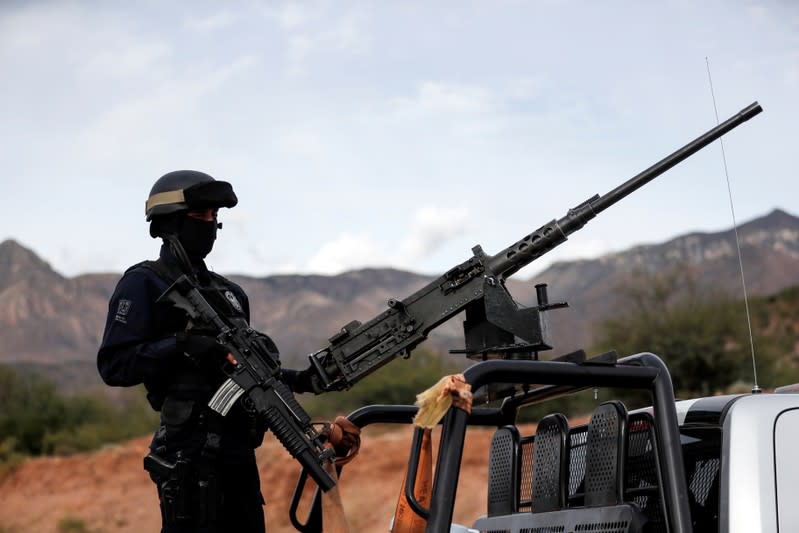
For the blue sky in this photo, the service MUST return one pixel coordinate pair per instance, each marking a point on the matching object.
(387, 133)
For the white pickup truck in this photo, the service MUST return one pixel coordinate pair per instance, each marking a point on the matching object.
(748, 445)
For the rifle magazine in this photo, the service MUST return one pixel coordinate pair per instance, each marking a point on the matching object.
(225, 397)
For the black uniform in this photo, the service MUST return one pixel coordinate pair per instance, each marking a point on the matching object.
(216, 486)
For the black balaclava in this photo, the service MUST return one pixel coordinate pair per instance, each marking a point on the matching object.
(197, 237)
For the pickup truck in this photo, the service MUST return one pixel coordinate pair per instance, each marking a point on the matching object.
(741, 462)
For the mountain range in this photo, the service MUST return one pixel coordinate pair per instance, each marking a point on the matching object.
(54, 323)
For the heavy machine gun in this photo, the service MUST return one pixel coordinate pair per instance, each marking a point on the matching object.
(495, 326)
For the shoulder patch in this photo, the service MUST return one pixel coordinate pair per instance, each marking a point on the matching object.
(233, 300)
(122, 311)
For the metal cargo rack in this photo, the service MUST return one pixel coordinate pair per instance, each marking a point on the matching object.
(590, 490)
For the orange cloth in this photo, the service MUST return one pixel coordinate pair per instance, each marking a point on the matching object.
(405, 519)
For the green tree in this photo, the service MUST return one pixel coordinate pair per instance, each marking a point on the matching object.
(35, 419)
(700, 333)
(29, 406)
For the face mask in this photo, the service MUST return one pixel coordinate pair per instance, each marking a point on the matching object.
(197, 237)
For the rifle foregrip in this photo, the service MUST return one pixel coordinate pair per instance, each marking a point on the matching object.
(291, 403)
(294, 439)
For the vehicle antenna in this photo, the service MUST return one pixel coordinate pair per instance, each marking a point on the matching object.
(755, 388)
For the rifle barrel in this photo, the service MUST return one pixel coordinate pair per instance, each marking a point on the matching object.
(548, 236)
(677, 157)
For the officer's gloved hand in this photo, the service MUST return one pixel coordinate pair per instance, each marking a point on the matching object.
(203, 350)
(345, 437)
(303, 382)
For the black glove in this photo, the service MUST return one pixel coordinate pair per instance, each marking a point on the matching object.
(300, 381)
(204, 350)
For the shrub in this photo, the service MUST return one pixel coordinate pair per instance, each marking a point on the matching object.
(35, 419)
(72, 524)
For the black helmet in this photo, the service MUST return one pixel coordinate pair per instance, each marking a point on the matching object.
(187, 189)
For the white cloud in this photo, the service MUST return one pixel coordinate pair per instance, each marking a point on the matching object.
(525, 88)
(67, 36)
(138, 126)
(34, 25)
(348, 33)
(447, 114)
(435, 97)
(313, 34)
(431, 229)
(300, 142)
(293, 14)
(345, 252)
(482, 112)
(792, 72)
(211, 22)
(126, 58)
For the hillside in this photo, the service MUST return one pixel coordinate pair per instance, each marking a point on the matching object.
(769, 248)
(54, 324)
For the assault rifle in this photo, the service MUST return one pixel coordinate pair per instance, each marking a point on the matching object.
(255, 376)
(495, 325)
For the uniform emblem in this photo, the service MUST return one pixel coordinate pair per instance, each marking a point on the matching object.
(122, 311)
(233, 301)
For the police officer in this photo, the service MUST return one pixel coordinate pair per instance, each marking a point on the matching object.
(202, 463)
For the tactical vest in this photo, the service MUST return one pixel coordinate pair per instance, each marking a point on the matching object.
(187, 423)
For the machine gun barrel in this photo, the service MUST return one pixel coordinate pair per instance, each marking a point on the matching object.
(531, 247)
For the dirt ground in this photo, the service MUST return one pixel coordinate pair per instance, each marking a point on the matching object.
(108, 491)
